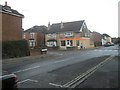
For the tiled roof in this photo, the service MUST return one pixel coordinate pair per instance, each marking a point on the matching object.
(106, 35)
(67, 26)
(7, 9)
(37, 29)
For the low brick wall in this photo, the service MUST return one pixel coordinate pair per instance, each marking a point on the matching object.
(34, 52)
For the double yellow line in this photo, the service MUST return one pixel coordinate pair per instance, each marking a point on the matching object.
(76, 81)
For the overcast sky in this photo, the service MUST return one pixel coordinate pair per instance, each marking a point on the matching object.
(99, 15)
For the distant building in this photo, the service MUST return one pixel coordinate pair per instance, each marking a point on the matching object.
(97, 38)
(11, 23)
(106, 38)
(115, 40)
(35, 36)
(68, 35)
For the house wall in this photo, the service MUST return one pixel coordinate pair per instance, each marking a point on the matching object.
(0, 26)
(86, 43)
(84, 40)
(77, 34)
(11, 27)
(38, 37)
(109, 39)
(97, 38)
(27, 35)
(106, 39)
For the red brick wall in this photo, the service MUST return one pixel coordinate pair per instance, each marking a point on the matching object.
(0, 26)
(11, 27)
(39, 37)
(27, 35)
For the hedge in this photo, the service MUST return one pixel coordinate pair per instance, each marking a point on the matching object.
(11, 49)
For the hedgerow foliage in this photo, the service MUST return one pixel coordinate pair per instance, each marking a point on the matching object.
(11, 49)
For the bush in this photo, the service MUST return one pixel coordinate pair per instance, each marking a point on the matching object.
(11, 49)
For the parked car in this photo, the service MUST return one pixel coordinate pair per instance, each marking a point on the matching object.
(112, 44)
(108, 44)
(9, 80)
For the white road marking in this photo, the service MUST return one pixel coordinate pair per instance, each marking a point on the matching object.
(59, 61)
(105, 50)
(23, 81)
(55, 85)
(62, 60)
(20, 82)
(33, 80)
(26, 69)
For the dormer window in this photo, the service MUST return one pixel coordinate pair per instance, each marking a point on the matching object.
(68, 34)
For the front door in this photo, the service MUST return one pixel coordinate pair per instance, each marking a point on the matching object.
(68, 43)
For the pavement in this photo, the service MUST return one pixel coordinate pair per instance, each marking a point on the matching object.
(28, 58)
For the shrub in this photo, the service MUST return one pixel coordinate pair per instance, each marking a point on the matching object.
(11, 49)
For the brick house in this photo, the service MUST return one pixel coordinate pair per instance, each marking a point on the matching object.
(35, 36)
(97, 38)
(68, 35)
(11, 23)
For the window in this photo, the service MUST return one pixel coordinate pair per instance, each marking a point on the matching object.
(24, 36)
(68, 34)
(51, 44)
(51, 35)
(85, 34)
(63, 43)
(77, 43)
(31, 35)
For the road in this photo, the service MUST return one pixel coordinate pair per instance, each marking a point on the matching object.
(61, 71)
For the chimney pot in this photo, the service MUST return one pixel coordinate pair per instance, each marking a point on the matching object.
(5, 3)
(61, 26)
(48, 25)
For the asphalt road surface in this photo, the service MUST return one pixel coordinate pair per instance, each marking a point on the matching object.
(66, 69)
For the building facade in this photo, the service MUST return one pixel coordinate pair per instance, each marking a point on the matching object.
(106, 38)
(97, 38)
(68, 35)
(35, 36)
(11, 23)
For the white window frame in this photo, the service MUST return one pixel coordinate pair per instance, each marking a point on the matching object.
(32, 35)
(51, 35)
(32, 43)
(51, 44)
(69, 43)
(68, 34)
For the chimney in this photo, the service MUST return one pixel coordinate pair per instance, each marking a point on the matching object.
(61, 26)
(5, 3)
(48, 25)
